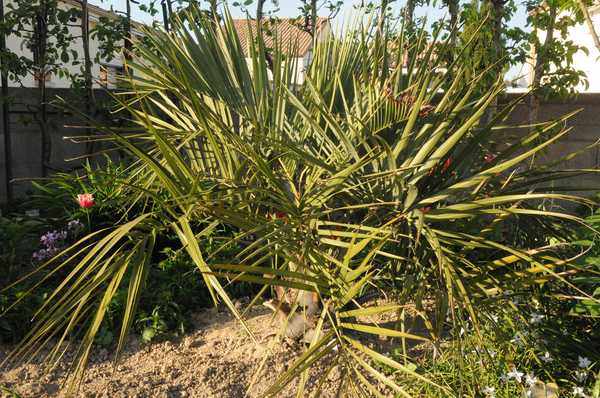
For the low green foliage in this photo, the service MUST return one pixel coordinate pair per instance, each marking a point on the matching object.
(174, 287)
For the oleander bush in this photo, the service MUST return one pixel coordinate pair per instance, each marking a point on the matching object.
(375, 177)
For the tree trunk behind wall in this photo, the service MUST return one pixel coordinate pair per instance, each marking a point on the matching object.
(382, 51)
(313, 19)
(214, 9)
(40, 61)
(498, 11)
(409, 14)
(453, 10)
(538, 71)
(5, 115)
(128, 36)
(259, 11)
(90, 101)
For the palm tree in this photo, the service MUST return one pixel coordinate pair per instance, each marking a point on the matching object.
(357, 184)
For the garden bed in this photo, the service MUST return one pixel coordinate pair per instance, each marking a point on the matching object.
(217, 359)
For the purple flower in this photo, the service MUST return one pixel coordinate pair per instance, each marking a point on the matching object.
(44, 254)
(75, 226)
(39, 255)
(51, 238)
(52, 242)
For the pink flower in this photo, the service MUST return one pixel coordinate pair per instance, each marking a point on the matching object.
(425, 210)
(85, 200)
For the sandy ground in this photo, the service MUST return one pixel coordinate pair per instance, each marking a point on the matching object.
(216, 360)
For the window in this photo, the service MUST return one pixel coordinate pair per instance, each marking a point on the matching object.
(109, 75)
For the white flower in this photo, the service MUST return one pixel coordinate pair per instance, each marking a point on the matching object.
(535, 318)
(494, 318)
(546, 357)
(489, 392)
(578, 392)
(581, 375)
(518, 340)
(530, 379)
(504, 378)
(508, 292)
(492, 353)
(515, 374)
(584, 362)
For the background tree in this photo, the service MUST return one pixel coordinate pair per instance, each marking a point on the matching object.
(554, 74)
(43, 29)
(309, 10)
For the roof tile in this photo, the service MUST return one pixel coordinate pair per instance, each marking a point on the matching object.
(287, 32)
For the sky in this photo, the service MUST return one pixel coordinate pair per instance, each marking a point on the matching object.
(289, 8)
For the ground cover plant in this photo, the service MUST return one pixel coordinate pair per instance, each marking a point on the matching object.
(386, 174)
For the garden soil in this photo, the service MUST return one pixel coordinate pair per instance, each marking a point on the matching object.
(217, 359)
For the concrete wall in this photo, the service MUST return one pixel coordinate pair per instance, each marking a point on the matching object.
(26, 138)
(585, 132)
(26, 142)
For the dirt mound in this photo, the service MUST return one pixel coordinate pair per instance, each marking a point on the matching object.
(216, 360)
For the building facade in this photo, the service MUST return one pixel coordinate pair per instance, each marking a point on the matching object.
(103, 73)
(589, 62)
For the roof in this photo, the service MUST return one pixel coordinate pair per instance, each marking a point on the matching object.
(288, 32)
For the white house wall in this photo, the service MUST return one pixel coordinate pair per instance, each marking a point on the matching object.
(298, 65)
(590, 64)
(587, 63)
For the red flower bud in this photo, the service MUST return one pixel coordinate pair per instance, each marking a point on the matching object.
(446, 165)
